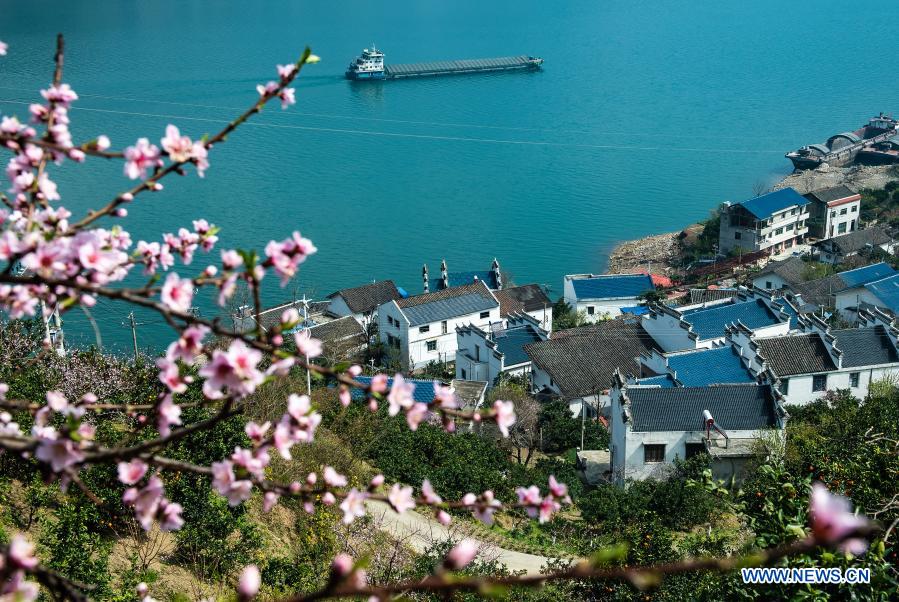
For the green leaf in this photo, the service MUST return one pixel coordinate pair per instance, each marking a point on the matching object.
(610, 554)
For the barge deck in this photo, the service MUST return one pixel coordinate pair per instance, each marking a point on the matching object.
(509, 63)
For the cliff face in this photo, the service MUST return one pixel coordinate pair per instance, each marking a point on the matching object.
(655, 252)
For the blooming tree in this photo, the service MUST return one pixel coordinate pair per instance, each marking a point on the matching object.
(71, 261)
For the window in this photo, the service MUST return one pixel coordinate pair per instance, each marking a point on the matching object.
(694, 449)
(653, 453)
(792, 212)
(853, 379)
(390, 320)
(432, 345)
(768, 284)
(738, 235)
(779, 231)
(843, 211)
(425, 328)
(591, 310)
(485, 315)
(464, 374)
(785, 386)
(393, 341)
(819, 382)
(833, 214)
(854, 208)
(443, 327)
(841, 229)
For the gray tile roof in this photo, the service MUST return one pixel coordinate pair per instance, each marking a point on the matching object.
(828, 195)
(734, 407)
(448, 303)
(529, 297)
(858, 240)
(469, 392)
(801, 354)
(792, 270)
(581, 360)
(363, 299)
(337, 330)
(865, 346)
(704, 295)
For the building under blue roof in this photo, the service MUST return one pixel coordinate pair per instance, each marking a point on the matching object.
(767, 205)
(709, 366)
(867, 274)
(612, 286)
(424, 389)
(511, 341)
(887, 292)
(710, 322)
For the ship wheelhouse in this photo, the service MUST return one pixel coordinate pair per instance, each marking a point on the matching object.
(369, 65)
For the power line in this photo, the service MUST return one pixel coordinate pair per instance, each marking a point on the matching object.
(544, 143)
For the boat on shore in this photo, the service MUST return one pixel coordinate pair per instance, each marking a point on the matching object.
(842, 149)
(370, 65)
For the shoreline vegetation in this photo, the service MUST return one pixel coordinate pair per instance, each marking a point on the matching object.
(671, 253)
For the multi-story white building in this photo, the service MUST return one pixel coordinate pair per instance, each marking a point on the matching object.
(485, 355)
(868, 240)
(834, 211)
(772, 222)
(600, 297)
(422, 328)
(652, 426)
(529, 299)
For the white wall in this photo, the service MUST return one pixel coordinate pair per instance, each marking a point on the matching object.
(852, 298)
(771, 282)
(392, 310)
(545, 317)
(338, 307)
(446, 344)
(799, 387)
(605, 308)
(668, 332)
(476, 358)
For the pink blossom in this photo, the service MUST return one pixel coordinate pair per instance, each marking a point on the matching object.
(490, 505)
(146, 501)
(269, 500)
(504, 412)
(227, 289)
(530, 498)
(234, 370)
(188, 345)
(376, 481)
(446, 396)
(61, 94)
(559, 490)
(177, 293)
(269, 88)
(170, 516)
(132, 472)
(832, 519)
(200, 155)
(168, 414)
(177, 146)
(170, 375)
(401, 498)
(461, 555)
(333, 478)
(59, 453)
(21, 553)
(285, 71)
(444, 518)
(416, 414)
(140, 158)
(548, 507)
(427, 492)
(288, 97)
(253, 461)
(4, 47)
(256, 432)
(102, 143)
(286, 256)
(231, 260)
(400, 396)
(353, 505)
(226, 483)
(344, 396)
(17, 589)
(249, 582)
(342, 565)
(379, 383)
(306, 344)
(57, 401)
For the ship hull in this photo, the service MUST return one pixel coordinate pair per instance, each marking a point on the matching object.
(357, 76)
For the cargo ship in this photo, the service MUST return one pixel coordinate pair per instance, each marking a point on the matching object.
(370, 66)
(842, 149)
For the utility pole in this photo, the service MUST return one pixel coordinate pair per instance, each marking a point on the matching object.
(133, 334)
(583, 421)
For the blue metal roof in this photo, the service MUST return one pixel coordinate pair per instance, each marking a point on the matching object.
(867, 274)
(612, 286)
(511, 342)
(709, 323)
(402, 292)
(424, 389)
(661, 381)
(887, 292)
(636, 310)
(764, 206)
(444, 309)
(709, 366)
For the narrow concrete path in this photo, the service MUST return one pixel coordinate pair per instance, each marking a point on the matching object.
(420, 532)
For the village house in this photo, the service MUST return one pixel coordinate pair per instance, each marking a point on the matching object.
(871, 286)
(422, 328)
(362, 302)
(804, 366)
(705, 325)
(840, 248)
(577, 364)
(712, 293)
(492, 277)
(602, 297)
(695, 368)
(244, 318)
(779, 275)
(773, 222)
(486, 355)
(529, 299)
(652, 426)
(833, 211)
(469, 394)
(822, 292)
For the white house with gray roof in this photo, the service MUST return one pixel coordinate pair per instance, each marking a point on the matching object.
(485, 355)
(362, 302)
(704, 325)
(652, 426)
(422, 328)
(808, 364)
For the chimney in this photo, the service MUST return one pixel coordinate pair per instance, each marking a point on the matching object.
(424, 277)
(496, 273)
(444, 275)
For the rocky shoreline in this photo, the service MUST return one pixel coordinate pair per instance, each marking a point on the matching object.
(663, 251)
